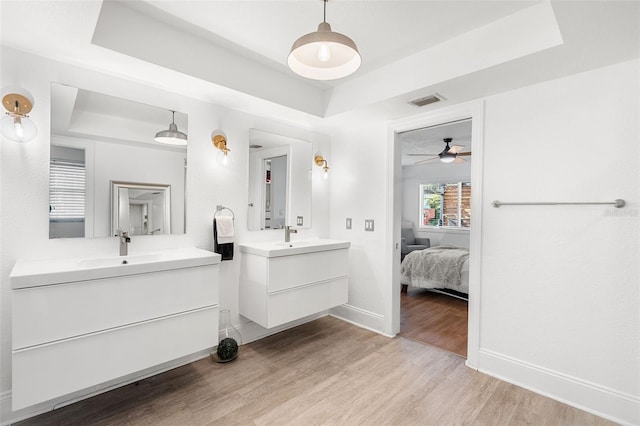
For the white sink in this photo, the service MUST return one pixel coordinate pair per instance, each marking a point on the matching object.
(131, 259)
(30, 273)
(281, 248)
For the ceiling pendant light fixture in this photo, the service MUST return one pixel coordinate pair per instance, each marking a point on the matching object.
(172, 136)
(324, 54)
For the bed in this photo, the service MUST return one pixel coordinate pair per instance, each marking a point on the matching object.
(440, 267)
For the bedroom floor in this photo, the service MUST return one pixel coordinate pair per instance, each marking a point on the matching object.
(323, 372)
(434, 319)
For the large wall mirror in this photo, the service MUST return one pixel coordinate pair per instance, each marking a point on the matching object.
(103, 146)
(279, 181)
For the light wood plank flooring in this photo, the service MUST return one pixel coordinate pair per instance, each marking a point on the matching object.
(324, 372)
(435, 319)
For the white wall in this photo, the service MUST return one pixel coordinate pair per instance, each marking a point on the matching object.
(24, 178)
(358, 177)
(559, 296)
(436, 172)
(559, 287)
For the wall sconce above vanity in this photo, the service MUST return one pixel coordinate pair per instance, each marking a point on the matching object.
(16, 125)
(322, 162)
(219, 140)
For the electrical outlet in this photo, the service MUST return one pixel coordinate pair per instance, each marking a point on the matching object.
(368, 225)
(348, 223)
(299, 221)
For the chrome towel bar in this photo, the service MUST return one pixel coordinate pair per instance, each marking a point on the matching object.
(617, 203)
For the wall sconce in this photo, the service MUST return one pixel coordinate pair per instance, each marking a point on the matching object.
(16, 125)
(219, 140)
(320, 161)
(171, 136)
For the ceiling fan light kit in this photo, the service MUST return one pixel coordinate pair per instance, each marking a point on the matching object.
(324, 54)
(449, 154)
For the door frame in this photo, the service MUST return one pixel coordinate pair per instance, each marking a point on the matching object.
(475, 111)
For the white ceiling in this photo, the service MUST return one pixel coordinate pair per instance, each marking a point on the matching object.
(233, 53)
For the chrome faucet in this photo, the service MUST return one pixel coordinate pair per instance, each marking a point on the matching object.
(124, 240)
(287, 233)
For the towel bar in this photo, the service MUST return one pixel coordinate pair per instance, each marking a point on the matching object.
(617, 203)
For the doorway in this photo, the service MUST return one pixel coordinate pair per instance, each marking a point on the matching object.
(474, 111)
(436, 222)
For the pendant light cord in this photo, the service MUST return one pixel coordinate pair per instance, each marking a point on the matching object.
(324, 18)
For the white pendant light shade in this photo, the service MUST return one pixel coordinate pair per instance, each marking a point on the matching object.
(172, 136)
(324, 55)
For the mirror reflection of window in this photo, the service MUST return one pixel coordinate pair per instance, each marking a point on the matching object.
(67, 185)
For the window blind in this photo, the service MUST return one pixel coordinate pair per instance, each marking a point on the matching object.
(66, 189)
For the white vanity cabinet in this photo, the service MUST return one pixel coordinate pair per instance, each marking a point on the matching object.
(282, 282)
(79, 329)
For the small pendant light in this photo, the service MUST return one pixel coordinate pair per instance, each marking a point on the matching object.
(172, 136)
(324, 54)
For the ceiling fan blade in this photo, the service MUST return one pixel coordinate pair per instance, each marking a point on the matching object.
(460, 160)
(464, 154)
(456, 149)
(425, 161)
(423, 155)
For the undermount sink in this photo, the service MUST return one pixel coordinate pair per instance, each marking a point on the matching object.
(29, 273)
(281, 248)
(131, 259)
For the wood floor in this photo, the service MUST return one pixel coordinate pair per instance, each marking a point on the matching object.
(435, 319)
(324, 372)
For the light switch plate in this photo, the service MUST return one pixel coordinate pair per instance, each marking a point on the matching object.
(348, 223)
(300, 221)
(368, 225)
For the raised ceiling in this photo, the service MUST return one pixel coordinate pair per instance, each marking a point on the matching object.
(233, 53)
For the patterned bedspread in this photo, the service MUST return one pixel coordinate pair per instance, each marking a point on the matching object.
(436, 267)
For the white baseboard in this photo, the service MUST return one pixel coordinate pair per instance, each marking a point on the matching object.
(599, 400)
(7, 416)
(361, 318)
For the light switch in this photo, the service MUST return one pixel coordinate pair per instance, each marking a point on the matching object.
(299, 221)
(348, 223)
(368, 225)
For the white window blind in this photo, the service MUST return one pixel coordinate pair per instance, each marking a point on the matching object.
(66, 189)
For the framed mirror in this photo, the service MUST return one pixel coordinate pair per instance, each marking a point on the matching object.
(279, 181)
(140, 208)
(97, 139)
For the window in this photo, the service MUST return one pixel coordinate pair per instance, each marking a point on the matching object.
(445, 205)
(66, 190)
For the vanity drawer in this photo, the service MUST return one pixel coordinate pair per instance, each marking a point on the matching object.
(289, 305)
(288, 272)
(54, 312)
(45, 372)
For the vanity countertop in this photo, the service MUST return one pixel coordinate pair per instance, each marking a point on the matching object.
(281, 248)
(31, 273)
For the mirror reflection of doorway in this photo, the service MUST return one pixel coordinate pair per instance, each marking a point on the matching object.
(141, 209)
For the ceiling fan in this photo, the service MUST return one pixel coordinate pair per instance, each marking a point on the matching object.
(449, 154)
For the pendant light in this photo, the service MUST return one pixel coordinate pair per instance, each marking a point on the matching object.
(16, 125)
(172, 136)
(324, 54)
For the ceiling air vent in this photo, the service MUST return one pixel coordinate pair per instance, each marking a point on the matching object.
(426, 100)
